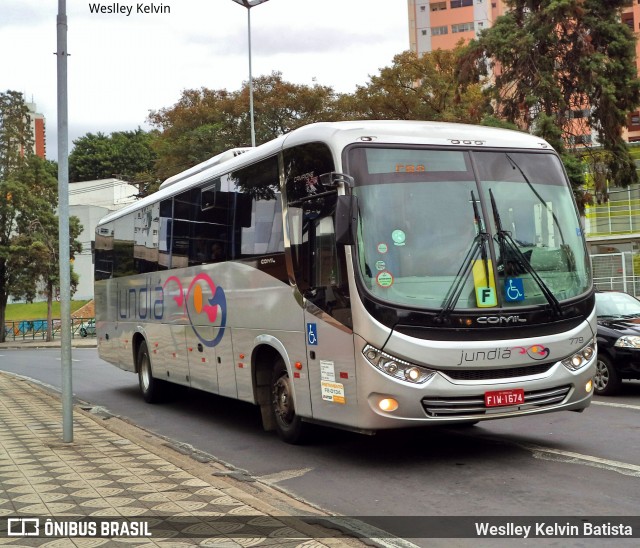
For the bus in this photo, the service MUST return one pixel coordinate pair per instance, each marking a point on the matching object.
(364, 275)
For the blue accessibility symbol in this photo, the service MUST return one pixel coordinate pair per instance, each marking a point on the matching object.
(312, 334)
(513, 290)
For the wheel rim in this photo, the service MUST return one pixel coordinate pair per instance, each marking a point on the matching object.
(282, 401)
(601, 378)
(145, 373)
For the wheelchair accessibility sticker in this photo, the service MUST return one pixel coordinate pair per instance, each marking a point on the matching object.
(312, 334)
(513, 290)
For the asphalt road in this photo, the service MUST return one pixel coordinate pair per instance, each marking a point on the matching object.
(559, 464)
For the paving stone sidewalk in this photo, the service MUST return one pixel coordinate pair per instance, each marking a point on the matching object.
(117, 473)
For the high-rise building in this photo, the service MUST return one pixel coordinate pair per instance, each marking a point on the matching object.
(611, 228)
(438, 24)
(442, 24)
(37, 123)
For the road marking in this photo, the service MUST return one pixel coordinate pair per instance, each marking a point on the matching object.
(72, 359)
(284, 475)
(559, 455)
(611, 404)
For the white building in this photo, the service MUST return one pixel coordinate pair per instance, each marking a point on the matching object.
(90, 201)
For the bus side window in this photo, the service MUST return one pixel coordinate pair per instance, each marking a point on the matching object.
(145, 248)
(319, 264)
(165, 226)
(256, 207)
(123, 246)
(104, 252)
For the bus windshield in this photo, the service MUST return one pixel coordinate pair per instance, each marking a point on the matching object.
(491, 228)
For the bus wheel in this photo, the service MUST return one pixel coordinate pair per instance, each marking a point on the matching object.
(152, 389)
(289, 426)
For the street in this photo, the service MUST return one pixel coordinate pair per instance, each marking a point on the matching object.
(562, 464)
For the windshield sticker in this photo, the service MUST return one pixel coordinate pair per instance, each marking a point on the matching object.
(485, 289)
(384, 279)
(398, 237)
(383, 248)
(381, 265)
(513, 290)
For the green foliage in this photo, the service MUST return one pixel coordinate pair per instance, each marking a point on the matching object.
(28, 223)
(126, 155)
(36, 311)
(16, 140)
(424, 87)
(205, 122)
(551, 59)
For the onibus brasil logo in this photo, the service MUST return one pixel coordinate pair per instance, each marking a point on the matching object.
(203, 303)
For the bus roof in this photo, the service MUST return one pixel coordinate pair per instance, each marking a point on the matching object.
(340, 134)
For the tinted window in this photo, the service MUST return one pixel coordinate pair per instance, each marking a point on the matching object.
(254, 204)
(104, 252)
(146, 232)
(123, 260)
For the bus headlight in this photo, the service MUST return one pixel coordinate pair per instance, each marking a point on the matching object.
(580, 358)
(396, 368)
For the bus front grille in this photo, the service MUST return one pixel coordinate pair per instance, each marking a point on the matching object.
(492, 374)
(466, 406)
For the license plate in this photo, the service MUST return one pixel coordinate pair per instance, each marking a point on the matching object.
(500, 398)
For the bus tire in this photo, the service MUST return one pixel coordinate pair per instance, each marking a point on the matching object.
(289, 426)
(152, 389)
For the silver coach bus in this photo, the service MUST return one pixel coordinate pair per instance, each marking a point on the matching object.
(364, 275)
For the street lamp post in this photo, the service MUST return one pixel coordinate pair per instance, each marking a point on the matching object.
(250, 4)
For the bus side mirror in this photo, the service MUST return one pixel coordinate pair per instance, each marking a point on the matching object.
(346, 219)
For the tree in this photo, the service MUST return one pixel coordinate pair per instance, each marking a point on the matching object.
(205, 122)
(558, 62)
(126, 155)
(16, 139)
(422, 87)
(28, 198)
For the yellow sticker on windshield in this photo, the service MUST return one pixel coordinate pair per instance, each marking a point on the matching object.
(485, 289)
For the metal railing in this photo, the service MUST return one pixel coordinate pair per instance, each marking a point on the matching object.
(31, 330)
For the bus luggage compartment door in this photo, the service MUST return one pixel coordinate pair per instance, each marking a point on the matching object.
(203, 372)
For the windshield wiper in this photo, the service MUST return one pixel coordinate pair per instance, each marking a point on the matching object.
(478, 249)
(506, 242)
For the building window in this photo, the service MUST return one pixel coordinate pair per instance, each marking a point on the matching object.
(460, 3)
(422, 8)
(424, 32)
(437, 31)
(462, 27)
(580, 113)
(438, 6)
(580, 140)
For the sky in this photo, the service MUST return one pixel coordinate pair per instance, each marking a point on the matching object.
(121, 66)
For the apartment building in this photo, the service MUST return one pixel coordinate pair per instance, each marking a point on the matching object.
(612, 228)
(442, 24)
(37, 122)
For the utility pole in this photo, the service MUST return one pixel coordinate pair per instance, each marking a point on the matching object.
(250, 4)
(63, 224)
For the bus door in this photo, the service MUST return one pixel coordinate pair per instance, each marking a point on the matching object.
(327, 321)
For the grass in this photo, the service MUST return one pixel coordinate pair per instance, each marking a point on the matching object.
(36, 311)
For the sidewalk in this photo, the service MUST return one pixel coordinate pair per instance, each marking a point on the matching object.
(139, 484)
